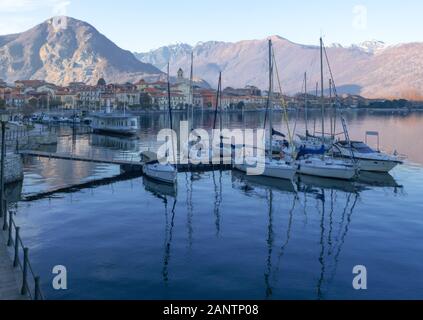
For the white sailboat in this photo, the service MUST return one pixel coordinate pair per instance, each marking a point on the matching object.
(161, 172)
(326, 167)
(272, 168)
(167, 173)
(321, 165)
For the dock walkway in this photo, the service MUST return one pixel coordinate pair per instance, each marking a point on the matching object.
(9, 287)
(135, 165)
(126, 165)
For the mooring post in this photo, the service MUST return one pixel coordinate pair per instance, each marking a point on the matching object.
(2, 164)
(16, 260)
(24, 290)
(37, 291)
(4, 206)
(10, 240)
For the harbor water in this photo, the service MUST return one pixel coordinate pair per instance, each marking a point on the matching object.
(222, 235)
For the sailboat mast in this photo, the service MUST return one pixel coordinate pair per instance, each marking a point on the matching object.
(221, 107)
(331, 108)
(305, 104)
(169, 97)
(322, 97)
(191, 88)
(217, 100)
(269, 102)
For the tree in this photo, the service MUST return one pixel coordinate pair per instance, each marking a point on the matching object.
(101, 82)
(240, 105)
(33, 102)
(145, 100)
(28, 110)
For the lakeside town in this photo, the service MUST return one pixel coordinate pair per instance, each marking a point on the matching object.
(150, 154)
(29, 96)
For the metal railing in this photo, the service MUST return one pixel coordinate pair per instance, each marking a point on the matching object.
(30, 281)
(16, 134)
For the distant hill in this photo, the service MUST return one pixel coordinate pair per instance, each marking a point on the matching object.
(371, 69)
(76, 53)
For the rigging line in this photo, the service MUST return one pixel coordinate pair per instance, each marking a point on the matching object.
(330, 71)
(283, 100)
(170, 112)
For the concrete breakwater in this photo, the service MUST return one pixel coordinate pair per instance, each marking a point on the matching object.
(32, 141)
(13, 168)
(22, 139)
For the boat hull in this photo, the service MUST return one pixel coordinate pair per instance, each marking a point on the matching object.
(272, 171)
(161, 173)
(376, 165)
(115, 132)
(326, 171)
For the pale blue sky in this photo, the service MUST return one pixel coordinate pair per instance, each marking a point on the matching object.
(140, 25)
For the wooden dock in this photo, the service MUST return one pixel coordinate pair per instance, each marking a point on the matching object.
(9, 285)
(126, 165)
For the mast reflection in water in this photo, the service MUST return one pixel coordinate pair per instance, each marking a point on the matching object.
(224, 235)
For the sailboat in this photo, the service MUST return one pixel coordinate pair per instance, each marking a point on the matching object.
(309, 141)
(323, 165)
(168, 172)
(272, 168)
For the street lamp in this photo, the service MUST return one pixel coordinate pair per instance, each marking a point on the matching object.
(4, 118)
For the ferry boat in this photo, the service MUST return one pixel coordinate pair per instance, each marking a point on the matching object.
(115, 123)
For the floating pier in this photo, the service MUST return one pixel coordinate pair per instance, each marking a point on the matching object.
(125, 165)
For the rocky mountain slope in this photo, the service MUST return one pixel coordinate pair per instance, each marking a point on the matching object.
(66, 52)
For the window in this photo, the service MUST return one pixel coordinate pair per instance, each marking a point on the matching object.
(362, 148)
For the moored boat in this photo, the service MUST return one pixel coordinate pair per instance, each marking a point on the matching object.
(115, 123)
(161, 172)
(366, 158)
(271, 168)
(326, 167)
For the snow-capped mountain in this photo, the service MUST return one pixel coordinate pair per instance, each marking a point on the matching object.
(372, 46)
(371, 68)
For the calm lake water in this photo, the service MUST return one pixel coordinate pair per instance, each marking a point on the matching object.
(222, 235)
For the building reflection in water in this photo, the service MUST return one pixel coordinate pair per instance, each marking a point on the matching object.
(114, 142)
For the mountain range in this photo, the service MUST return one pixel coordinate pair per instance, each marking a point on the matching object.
(78, 52)
(371, 69)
